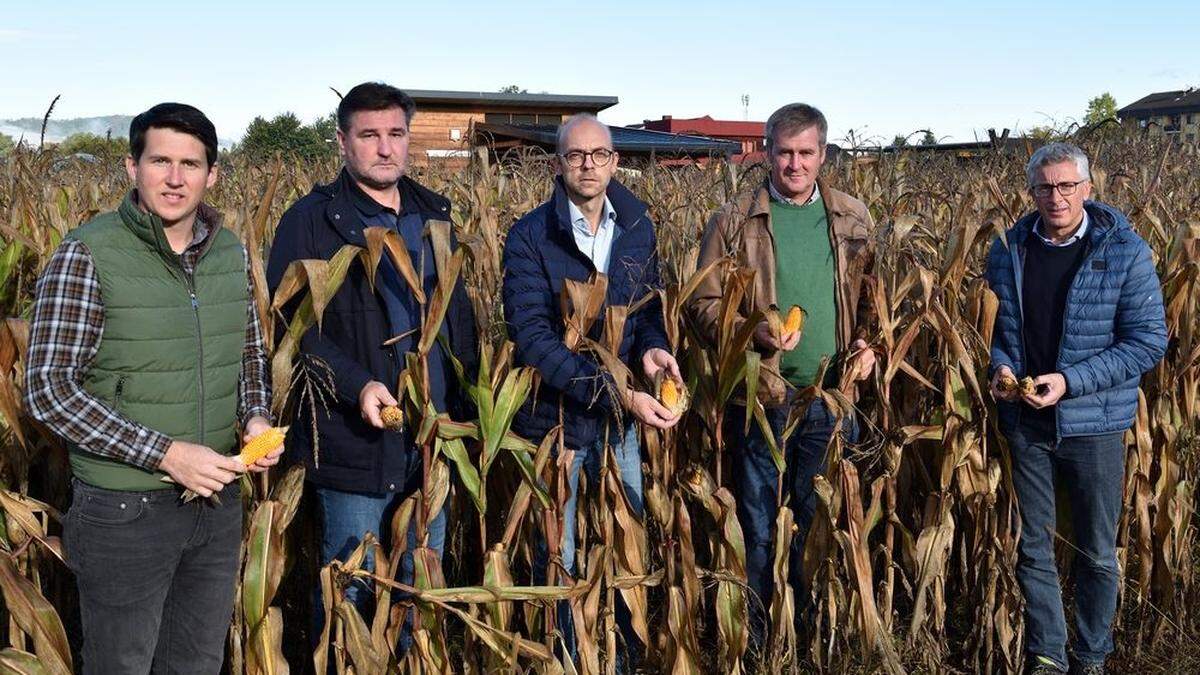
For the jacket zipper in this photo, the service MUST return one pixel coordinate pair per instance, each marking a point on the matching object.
(191, 289)
(1087, 258)
(1018, 263)
(118, 391)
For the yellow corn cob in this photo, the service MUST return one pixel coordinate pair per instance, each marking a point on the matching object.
(669, 396)
(673, 395)
(392, 417)
(794, 321)
(260, 445)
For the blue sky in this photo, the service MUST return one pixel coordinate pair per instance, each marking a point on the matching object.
(877, 68)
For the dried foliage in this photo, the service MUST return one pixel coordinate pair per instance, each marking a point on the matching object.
(909, 562)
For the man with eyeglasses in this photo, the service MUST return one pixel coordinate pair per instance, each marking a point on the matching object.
(592, 225)
(1081, 313)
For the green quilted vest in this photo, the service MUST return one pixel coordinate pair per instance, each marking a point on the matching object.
(170, 355)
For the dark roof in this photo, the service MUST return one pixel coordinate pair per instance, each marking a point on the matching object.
(635, 141)
(501, 100)
(1163, 103)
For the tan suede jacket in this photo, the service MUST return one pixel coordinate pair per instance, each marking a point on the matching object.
(742, 230)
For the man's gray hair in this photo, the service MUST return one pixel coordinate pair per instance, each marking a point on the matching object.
(578, 118)
(792, 119)
(1057, 153)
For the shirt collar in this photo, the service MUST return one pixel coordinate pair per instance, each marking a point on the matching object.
(778, 196)
(366, 204)
(1083, 227)
(579, 222)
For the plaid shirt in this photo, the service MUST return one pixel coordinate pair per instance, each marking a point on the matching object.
(68, 322)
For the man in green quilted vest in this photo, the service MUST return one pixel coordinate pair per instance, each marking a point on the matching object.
(146, 356)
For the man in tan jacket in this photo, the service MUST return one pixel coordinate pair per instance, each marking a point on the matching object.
(810, 245)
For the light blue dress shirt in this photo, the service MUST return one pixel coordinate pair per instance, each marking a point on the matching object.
(595, 246)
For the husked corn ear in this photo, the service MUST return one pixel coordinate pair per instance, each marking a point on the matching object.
(260, 445)
(794, 320)
(673, 395)
(392, 417)
(669, 395)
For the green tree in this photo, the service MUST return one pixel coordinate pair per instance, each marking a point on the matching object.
(287, 136)
(513, 89)
(1100, 108)
(6, 144)
(94, 144)
(928, 138)
(900, 141)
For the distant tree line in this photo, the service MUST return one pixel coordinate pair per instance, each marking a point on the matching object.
(286, 136)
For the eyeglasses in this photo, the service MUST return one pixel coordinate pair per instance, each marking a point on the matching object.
(1066, 189)
(575, 158)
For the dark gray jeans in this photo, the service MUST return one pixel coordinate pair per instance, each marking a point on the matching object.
(156, 578)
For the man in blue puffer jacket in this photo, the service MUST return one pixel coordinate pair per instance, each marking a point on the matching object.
(1081, 313)
(591, 225)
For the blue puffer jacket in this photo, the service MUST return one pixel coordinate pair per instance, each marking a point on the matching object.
(539, 255)
(1115, 328)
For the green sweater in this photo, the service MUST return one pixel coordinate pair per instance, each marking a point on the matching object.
(171, 352)
(805, 273)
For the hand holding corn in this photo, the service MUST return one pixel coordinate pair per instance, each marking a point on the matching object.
(262, 444)
(199, 469)
(1005, 386)
(781, 332)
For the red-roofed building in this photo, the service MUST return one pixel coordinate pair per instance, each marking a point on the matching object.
(749, 134)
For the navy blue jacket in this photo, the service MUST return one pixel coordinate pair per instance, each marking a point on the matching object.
(1114, 325)
(354, 456)
(539, 255)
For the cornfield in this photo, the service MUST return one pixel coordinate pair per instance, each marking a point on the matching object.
(909, 563)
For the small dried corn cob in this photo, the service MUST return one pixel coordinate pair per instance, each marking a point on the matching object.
(1028, 388)
(1007, 384)
(392, 417)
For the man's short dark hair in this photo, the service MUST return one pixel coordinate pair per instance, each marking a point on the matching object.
(373, 96)
(792, 119)
(179, 117)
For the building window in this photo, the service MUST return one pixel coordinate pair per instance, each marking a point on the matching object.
(522, 118)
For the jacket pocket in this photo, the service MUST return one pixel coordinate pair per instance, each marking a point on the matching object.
(119, 391)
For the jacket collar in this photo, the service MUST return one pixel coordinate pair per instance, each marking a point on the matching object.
(149, 227)
(1103, 220)
(629, 208)
(346, 200)
(838, 205)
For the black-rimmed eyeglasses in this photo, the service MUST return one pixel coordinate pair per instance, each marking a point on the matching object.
(576, 158)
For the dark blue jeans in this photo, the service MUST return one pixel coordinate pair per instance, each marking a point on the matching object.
(346, 517)
(156, 578)
(756, 481)
(1091, 471)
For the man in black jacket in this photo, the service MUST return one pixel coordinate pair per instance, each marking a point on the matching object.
(362, 470)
